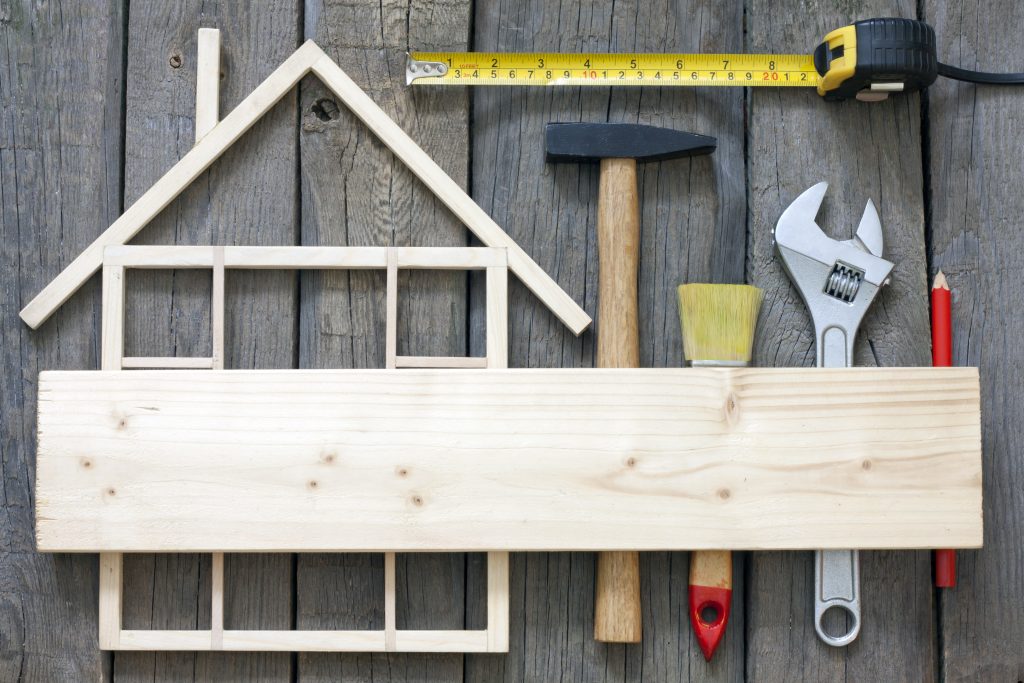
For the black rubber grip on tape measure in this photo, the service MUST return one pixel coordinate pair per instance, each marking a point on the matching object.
(889, 50)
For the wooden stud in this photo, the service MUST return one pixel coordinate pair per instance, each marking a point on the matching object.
(207, 81)
(307, 641)
(301, 258)
(112, 326)
(166, 363)
(390, 619)
(450, 258)
(560, 459)
(391, 312)
(497, 601)
(497, 317)
(217, 601)
(217, 309)
(439, 362)
(111, 587)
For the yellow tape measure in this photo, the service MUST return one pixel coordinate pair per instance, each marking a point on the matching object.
(867, 60)
(548, 69)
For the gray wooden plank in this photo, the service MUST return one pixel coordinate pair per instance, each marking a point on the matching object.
(250, 196)
(795, 139)
(692, 215)
(975, 208)
(355, 192)
(61, 94)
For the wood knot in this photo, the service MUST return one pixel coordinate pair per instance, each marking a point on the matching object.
(328, 457)
(866, 465)
(86, 463)
(417, 500)
(631, 462)
(111, 492)
(313, 485)
(724, 494)
(732, 408)
(402, 471)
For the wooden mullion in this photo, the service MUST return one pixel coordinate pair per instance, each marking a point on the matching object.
(217, 309)
(217, 601)
(391, 314)
(390, 609)
(111, 589)
(497, 317)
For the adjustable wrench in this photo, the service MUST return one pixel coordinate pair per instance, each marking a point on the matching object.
(837, 280)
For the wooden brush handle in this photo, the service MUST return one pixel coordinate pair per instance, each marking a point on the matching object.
(617, 617)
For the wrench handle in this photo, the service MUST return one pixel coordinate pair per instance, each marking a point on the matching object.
(617, 615)
(837, 585)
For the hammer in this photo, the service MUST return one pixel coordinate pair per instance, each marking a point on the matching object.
(619, 146)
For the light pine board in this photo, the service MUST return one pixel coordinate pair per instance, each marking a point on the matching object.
(436, 460)
(61, 97)
(247, 197)
(976, 208)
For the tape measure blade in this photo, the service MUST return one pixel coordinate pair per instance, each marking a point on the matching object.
(610, 69)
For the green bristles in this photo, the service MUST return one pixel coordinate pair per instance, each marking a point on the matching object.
(718, 321)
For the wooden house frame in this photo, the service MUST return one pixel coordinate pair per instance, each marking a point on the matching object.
(116, 260)
(561, 459)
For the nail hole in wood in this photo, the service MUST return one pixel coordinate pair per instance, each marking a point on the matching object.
(325, 109)
(175, 60)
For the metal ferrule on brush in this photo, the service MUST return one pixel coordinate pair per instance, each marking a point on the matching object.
(718, 363)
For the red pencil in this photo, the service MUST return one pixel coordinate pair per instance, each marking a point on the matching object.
(942, 357)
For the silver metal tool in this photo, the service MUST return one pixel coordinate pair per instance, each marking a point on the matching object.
(837, 280)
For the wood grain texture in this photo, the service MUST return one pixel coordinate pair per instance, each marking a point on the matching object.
(865, 151)
(440, 460)
(249, 197)
(61, 95)
(356, 192)
(692, 229)
(975, 208)
(617, 609)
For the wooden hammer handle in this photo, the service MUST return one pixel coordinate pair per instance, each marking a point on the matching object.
(617, 616)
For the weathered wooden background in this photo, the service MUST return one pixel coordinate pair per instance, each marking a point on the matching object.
(97, 100)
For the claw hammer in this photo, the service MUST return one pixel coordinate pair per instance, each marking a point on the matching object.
(618, 147)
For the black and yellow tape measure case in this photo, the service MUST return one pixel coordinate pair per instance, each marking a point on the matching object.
(876, 56)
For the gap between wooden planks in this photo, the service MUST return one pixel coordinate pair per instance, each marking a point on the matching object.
(570, 459)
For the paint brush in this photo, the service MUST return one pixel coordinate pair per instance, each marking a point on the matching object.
(718, 324)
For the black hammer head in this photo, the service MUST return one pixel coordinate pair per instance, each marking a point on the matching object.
(595, 141)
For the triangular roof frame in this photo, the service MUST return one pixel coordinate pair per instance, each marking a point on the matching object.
(309, 58)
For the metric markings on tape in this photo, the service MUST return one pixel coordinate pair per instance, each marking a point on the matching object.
(554, 69)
